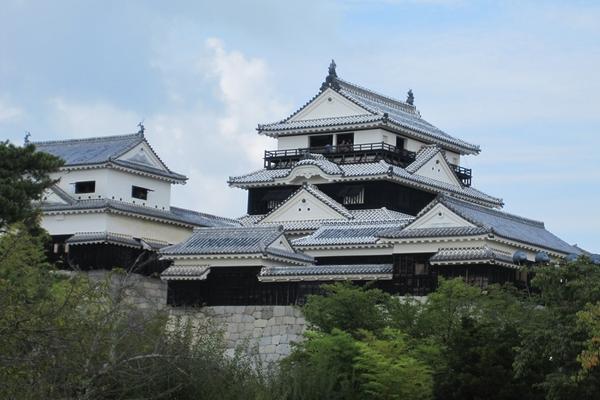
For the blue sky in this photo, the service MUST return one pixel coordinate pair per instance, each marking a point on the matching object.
(519, 78)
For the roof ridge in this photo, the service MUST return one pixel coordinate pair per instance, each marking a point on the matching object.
(514, 217)
(322, 119)
(92, 139)
(207, 215)
(317, 192)
(402, 105)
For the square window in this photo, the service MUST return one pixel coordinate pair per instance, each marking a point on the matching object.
(85, 187)
(139, 193)
(400, 142)
(421, 269)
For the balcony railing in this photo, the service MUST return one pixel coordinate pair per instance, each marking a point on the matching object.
(342, 154)
(463, 174)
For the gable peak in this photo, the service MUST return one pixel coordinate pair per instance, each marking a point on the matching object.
(331, 80)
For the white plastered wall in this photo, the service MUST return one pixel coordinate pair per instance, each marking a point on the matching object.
(113, 184)
(327, 105)
(437, 168)
(281, 243)
(68, 224)
(439, 217)
(144, 150)
(292, 142)
(137, 227)
(303, 206)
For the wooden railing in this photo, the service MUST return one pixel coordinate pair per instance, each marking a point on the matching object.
(342, 154)
(464, 174)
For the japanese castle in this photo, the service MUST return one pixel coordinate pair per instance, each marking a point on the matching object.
(360, 188)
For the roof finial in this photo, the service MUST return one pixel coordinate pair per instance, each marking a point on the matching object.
(332, 68)
(410, 98)
(27, 136)
(331, 79)
(142, 127)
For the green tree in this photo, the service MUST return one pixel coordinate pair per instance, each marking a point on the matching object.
(24, 175)
(589, 321)
(68, 337)
(322, 367)
(347, 307)
(388, 369)
(553, 342)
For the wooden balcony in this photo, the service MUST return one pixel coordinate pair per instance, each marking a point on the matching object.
(342, 154)
(463, 174)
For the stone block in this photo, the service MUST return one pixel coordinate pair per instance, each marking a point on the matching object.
(276, 339)
(278, 311)
(260, 323)
(267, 313)
(264, 341)
(289, 311)
(289, 320)
(283, 349)
(269, 349)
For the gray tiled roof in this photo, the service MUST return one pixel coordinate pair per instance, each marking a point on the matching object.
(399, 112)
(321, 122)
(320, 161)
(380, 109)
(496, 222)
(347, 233)
(321, 272)
(470, 254)
(82, 238)
(378, 169)
(102, 237)
(175, 214)
(371, 214)
(234, 240)
(149, 169)
(185, 273)
(91, 150)
(434, 232)
(425, 154)
(101, 150)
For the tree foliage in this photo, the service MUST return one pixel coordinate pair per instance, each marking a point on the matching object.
(24, 175)
(69, 337)
(461, 342)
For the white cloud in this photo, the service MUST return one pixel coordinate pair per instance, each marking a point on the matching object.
(9, 112)
(74, 119)
(209, 136)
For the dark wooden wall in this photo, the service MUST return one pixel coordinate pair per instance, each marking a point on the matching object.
(377, 194)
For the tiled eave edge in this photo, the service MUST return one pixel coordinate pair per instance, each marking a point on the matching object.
(393, 178)
(344, 246)
(114, 166)
(487, 237)
(389, 125)
(312, 278)
(233, 256)
(109, 210)
(105, 241)
(473, 262)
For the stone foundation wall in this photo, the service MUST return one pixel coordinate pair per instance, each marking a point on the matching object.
(267, 331)
(144, 292)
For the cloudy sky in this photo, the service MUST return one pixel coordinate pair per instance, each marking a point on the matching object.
(519, 78)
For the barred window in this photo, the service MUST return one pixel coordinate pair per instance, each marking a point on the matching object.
(355, 196)
(271, 204)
